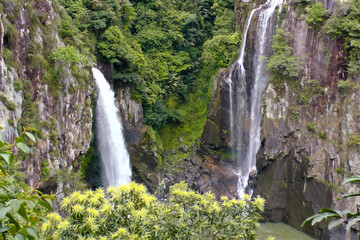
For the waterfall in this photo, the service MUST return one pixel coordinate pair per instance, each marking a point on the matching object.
(245, 89)
(109, 136)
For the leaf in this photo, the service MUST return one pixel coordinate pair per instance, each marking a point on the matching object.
(321, 216)
(23, 147)
(32, 129)
(20, 236)
(3, 212)
(15, 205)
(45, 204)
(324, 210)
(2, 169)
(12, 220)
(31, 136)
(3, 194)
(22, 212)
(335, 223)
(4, 229)
(351, 215)
(352, 222)
(19, 139)
(32, 232)
(7, 156)
(308, 220)
(354, 178)
(351, 195)
(31, 203)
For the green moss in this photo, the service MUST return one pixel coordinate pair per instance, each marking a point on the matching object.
(342, 171)
(194, 118)
(44, 169)
(8, 104)
(346, 86)
(53, 137)
(18, 84)
(322, 135)
(85, 160)
(9, 58)
(354, 139)
(330, 185)
(310, 127)
(293, 114)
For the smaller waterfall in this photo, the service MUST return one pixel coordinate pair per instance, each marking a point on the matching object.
(245, 101)
(109, 136)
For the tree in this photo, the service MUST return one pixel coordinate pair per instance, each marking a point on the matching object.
(19, 206)
(129, 212)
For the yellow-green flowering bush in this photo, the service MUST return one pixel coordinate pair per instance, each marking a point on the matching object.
(129, 212)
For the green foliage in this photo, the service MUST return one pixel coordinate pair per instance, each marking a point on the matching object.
(354, 139)
(44, 169)
(322, 134)
(174, 117)
(337, 216)
(316, 15)
(71, 179)
(157, 114)
(293, 113)
(8, 104)
(311, 89)
(67, 55)
(129, 212)
(302, 2)
(283, 64)
(221, 51)
(9, 57)
(310, 127)
(345, 25)
(345, 86)
(113, 46)
(20, 208)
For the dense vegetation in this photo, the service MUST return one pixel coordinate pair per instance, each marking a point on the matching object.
(20, 206)
(125, 212)
(129, 212)
(156, 47)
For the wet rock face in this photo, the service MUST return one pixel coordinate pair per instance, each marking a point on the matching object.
(140, 144)
(216, 131)
(69, 114)
(305, 154)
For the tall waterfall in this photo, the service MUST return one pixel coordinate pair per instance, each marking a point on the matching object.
(246, 85)
(109, 136)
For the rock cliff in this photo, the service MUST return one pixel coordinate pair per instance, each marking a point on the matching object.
(59, 107)
(306, 149)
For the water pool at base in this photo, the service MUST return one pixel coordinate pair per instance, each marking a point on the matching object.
(280, 231)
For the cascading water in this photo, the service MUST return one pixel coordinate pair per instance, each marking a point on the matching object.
(111, 144)
(245, 92)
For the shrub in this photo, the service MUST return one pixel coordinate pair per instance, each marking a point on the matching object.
(346, 85)
(129, 212)
(283, 64)
(316, 15)
(156, 114)
(20, 207)
(174, 117)
(310, 127)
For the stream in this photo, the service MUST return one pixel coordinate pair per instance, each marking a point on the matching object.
(280, 231)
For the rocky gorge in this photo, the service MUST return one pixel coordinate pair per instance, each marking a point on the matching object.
(309, 124)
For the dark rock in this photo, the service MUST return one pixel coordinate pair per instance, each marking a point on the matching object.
(184, 148)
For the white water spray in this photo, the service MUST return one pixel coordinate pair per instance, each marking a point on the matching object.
(245, 143)
(111, 144)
